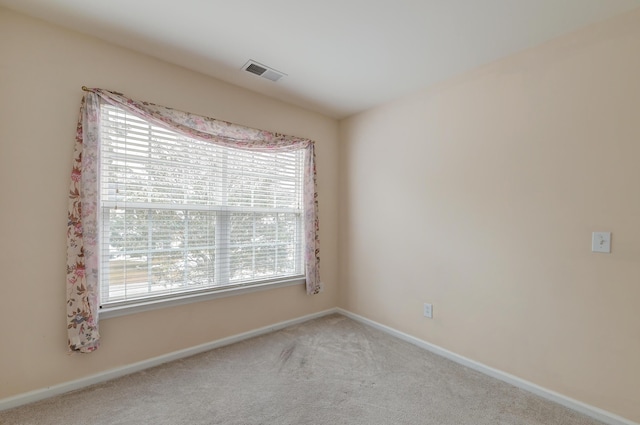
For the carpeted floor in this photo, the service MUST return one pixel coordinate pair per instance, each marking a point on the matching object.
(327, 371)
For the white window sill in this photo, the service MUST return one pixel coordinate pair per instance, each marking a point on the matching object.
(153, 304)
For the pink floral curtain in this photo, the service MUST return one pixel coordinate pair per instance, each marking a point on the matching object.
(82, 231)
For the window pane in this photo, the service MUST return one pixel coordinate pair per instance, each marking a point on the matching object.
(200, 267)
(168, 229)
(201, 228)
(242, 228)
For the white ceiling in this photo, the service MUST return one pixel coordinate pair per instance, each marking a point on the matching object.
(341, 56)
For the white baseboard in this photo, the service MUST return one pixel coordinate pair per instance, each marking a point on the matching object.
(32, 396)
(591, 411)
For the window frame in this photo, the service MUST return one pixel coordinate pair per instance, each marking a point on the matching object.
(118, 308)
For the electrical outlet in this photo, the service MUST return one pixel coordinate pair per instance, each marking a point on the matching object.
(428, 310)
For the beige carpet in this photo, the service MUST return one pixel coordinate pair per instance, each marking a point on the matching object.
(327, 371)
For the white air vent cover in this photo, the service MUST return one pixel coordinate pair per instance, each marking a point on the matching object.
(263, 70)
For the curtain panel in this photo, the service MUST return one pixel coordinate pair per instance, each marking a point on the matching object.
(83, 256)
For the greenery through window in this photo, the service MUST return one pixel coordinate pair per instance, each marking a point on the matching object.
(180, 215)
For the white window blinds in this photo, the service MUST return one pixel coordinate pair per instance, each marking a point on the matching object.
(181, 215)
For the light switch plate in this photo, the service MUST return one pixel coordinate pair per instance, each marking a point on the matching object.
(601, 242)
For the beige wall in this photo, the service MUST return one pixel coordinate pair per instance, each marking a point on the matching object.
(480, 196)
(42, 68)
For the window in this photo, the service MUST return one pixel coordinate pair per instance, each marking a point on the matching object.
(168, 205)
(182, 216)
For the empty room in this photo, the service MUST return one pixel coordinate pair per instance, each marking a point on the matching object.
(339, 212)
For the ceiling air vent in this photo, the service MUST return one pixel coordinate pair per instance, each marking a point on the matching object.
(263, 71)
